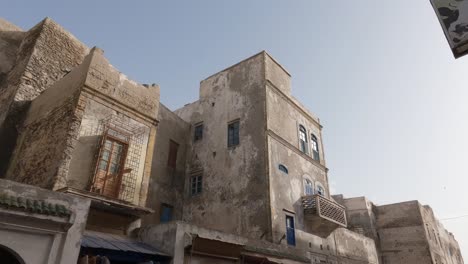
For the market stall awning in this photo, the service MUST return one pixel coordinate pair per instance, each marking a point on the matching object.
(119, 248)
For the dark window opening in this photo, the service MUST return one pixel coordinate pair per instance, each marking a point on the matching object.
(233, 134)
(166, 213)
(172, 158)
(196, 183)
(198, 134)
(8, 256)
(110, 165)
(303, 139)
(290, 231)
(320, 191)
(315, 148)
(283, 168)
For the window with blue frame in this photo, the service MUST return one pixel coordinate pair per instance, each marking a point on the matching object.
(166, 213)
(283, 168)
(290, 231)
(233, 133)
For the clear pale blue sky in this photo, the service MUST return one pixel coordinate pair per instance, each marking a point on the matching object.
(379, 74)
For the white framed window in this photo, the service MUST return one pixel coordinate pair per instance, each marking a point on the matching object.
(315, 148)
(196, 184)
(303, 139)
(308, 187)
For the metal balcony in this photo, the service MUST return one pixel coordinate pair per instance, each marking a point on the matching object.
(323, 215)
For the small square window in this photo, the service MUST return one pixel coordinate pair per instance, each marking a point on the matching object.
(233, 133)
(196, 184)
(198, 134)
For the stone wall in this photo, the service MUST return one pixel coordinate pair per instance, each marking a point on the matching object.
(47, 52)
(52, 150)
(11, 37)
(47, 136)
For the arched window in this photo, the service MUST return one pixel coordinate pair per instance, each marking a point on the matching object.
(283, 168)
(315, 149)
(308, 187)
(320, 190)
(303, 139)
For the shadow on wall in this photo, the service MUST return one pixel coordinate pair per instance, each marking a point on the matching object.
(9, 133)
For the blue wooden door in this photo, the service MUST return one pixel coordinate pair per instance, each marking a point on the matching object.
(290, 232)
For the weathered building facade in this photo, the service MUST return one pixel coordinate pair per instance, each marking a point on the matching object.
(239, 176)
(39, 226)
(406, 232)
(256, 168)
(82, 128)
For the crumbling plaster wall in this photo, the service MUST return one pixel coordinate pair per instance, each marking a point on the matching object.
(175, 237)
(361, 217)
(40, 238)
(284, 116)
(106, 93)
(286, 190)
(235, 184)
(47, 52)
(443, 246)
(166, 183)
(355, 248)
(60, 118)
(410, 233)
(47, 136)
(402, 234)
(86, 150)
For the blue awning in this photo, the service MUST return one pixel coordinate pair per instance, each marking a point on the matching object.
(119, 248)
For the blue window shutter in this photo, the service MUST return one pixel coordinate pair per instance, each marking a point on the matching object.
(290, 231)
(166, 213)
